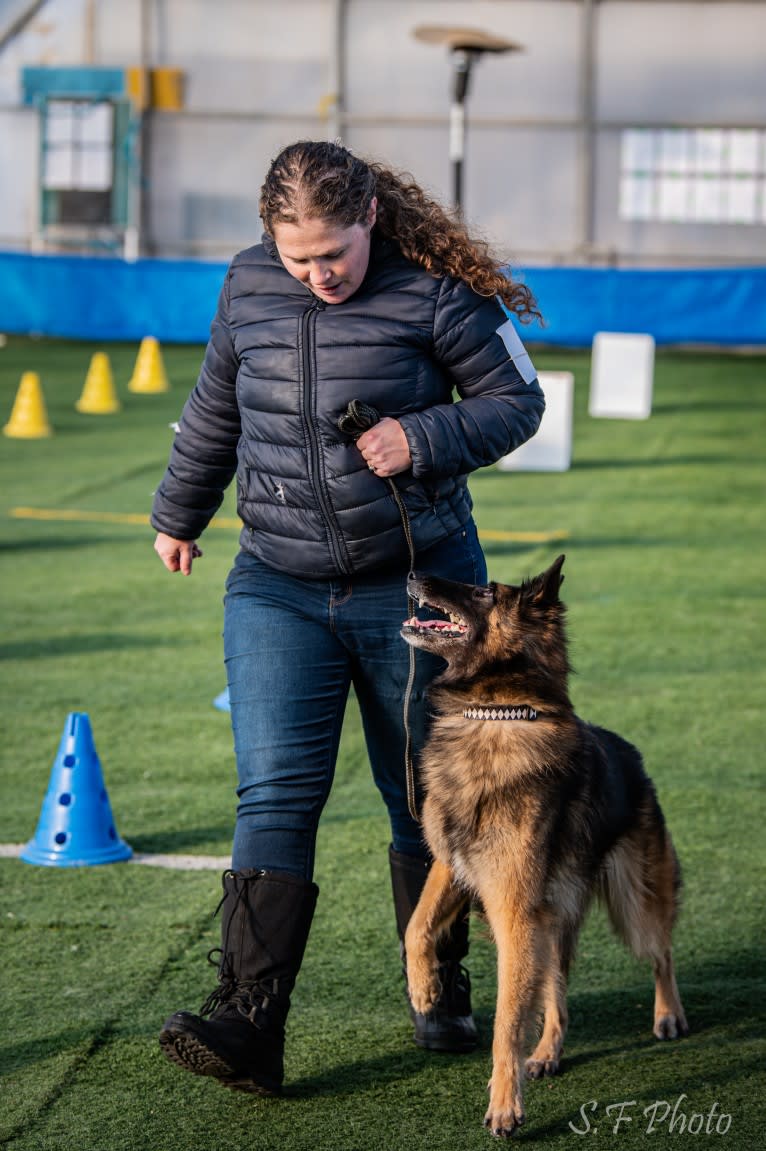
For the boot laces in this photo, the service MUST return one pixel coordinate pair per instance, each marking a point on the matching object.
(250, 998)
(227, 984)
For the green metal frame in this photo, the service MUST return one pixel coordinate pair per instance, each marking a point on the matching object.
(41, 86)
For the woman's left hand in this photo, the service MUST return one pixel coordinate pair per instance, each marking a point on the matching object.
(385, 449)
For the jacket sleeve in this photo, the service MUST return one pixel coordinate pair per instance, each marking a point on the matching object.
(501, 402)
(203, 458)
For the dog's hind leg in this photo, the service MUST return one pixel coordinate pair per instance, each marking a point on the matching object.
(662, 908)
(439, 903)
(546, 1057)
(642, 886)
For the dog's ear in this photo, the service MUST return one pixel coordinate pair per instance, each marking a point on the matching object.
(547, 584)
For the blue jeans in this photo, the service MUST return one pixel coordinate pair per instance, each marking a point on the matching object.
(293, 648)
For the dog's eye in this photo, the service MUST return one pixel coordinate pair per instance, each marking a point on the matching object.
(484, 592)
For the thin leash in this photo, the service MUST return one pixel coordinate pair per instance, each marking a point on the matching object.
(358, 418)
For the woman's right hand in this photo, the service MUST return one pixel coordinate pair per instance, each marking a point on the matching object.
(177, 555)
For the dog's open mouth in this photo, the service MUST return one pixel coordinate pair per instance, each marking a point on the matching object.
(452, 628)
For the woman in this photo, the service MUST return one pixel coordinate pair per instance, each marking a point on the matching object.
(363, 289)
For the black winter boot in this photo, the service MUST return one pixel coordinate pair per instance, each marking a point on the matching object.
(265, 922)
(450, 1025)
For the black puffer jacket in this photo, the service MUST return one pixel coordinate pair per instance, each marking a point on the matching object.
(279, 371)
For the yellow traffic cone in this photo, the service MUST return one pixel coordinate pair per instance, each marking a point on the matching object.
(149, 371)
(29, 416)
(98, 395)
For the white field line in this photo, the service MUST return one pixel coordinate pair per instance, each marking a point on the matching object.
(173, 862)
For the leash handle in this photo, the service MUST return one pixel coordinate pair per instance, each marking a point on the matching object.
(359, 417)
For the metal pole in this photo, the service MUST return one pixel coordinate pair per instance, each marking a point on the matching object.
(18, 24)
(462, 61)
(336, 71)
(588, 133)
(457, 151)
(90, 32)
(140, 243)
(465, 45)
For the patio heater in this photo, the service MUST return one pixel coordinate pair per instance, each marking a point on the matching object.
(466, 46)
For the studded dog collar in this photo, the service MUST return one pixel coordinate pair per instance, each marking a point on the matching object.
(501, 711)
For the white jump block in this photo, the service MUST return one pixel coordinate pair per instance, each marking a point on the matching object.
(621, 376)
(550, 449)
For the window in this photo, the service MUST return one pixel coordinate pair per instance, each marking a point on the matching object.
(78, 161)
(698, 175)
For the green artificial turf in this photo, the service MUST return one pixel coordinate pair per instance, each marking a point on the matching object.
(664, 581)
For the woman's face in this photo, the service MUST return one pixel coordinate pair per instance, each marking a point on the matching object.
(328, 258)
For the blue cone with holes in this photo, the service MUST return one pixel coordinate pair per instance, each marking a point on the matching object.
(222, 701)
(76, 828)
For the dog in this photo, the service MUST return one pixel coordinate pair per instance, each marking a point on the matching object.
(532, 812)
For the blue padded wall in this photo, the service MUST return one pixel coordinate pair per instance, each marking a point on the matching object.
(109, 299)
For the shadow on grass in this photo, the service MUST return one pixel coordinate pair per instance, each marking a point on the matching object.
(571, 543)
(17, 1056)
(182, 841)
(717, 992)
(499, 548)
(74, 645)
(683, 1087)
(605, 1025)
(709, 406)
(48, 543)
(379, 1071)
(654, 462)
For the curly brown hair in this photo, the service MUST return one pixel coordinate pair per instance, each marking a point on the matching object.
(319, 179)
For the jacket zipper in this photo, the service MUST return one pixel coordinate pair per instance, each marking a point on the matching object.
(308, 325)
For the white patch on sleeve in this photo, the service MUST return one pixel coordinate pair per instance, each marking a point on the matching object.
(517, 352)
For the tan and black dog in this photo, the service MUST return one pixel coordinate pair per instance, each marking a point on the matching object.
(532, 812)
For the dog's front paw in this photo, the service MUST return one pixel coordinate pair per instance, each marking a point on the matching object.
(537, 1068)
(546, 1057)
(505, 1113)
(503, 1122)
(423, 986)
(670, 1026)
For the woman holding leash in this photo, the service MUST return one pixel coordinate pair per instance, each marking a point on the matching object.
(327, 388)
